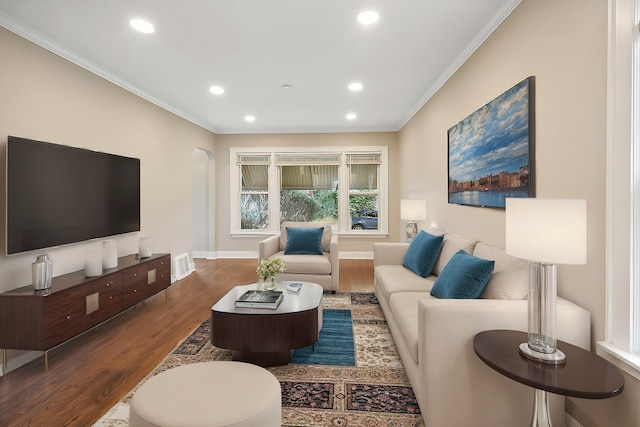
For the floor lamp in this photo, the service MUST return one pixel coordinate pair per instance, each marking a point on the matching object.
(413, 211)
(545, 232)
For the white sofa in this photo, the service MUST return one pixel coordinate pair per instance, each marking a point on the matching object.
(322, 269)
(434, 337)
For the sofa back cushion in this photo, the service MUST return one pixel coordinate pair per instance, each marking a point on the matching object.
(452, 243)
(326, 234)
(510, 279)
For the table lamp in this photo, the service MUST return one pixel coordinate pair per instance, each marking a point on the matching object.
(545, 232)
(413, 211)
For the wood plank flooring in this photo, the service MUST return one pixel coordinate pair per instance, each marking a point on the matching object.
(91, 373)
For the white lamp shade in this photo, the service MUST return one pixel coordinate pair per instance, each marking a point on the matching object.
(413, 210)
(547, 231)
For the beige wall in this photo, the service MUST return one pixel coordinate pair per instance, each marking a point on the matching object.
(564, 45)
(228, 244)
(45, 97)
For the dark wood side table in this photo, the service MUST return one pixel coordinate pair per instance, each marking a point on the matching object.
(584, 374)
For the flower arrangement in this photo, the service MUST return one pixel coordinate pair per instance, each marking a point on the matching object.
(270, 267)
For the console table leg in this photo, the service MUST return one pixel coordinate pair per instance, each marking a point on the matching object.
(46, 360)
(4, 361)
(540, 417)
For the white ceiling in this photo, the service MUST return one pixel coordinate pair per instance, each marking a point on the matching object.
(254, 47)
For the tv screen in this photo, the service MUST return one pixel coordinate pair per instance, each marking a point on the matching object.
(58, 195)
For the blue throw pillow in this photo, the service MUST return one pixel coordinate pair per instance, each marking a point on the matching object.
(423, 253)
(464, 277)
(304, 241)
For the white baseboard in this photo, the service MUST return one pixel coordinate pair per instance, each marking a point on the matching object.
(237, 254)
(569, 421)
(356, 255)
(204, 254)
(253, 254)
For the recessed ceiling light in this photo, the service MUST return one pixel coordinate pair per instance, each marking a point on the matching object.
(368, 17)
(249, 118)
(216, 90)
(351, 116)
(142, 26)
(355, 86)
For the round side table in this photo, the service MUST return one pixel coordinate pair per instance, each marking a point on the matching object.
(584, 374)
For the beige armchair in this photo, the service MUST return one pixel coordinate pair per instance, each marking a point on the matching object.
(322, 269)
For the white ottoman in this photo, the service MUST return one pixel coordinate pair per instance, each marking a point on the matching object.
(208, 394)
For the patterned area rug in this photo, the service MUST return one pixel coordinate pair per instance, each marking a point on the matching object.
(375, 392)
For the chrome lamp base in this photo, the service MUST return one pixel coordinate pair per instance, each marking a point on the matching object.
(555, 358)
(412, 230)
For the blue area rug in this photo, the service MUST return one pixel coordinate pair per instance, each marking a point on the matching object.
(335, 345)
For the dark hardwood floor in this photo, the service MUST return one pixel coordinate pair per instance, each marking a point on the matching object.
(91, 373)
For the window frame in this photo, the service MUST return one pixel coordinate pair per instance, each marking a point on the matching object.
(621, 345)
(343, 226)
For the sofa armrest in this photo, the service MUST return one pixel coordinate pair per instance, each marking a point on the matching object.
(268, 247)
(389, 253)
(449, 366)
(334, 259)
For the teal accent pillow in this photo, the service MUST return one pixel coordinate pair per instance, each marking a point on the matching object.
(464, 277)
(423, 253)
(304, 241)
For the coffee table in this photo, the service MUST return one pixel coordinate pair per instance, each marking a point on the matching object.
(266, 337)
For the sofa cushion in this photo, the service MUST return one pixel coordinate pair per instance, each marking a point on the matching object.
(423, 253)
(464, 277)
(510, 278)
(452, 243)
(395, 278)
(304, 241)
(404, 306)
(326, 235)
(305, 264)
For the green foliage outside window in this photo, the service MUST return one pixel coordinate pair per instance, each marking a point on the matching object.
(357, 203)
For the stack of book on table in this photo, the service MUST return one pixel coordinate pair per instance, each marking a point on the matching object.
(260, 299)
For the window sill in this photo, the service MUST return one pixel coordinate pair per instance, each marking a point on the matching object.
(365, 234)
(625, 361)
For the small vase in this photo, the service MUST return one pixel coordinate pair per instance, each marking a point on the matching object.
(42, 272)
(270, 284)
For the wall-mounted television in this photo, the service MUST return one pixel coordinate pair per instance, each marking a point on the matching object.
(58, 195)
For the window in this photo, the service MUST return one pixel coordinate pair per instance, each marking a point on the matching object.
(622, 332)
(254, 191)
(364, 170)
(339, 185)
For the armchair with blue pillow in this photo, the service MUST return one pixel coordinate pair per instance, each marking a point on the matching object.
(309, 250)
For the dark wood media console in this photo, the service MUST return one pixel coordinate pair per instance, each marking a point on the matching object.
(41, 320)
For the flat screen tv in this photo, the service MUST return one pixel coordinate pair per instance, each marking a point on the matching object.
(58, 195)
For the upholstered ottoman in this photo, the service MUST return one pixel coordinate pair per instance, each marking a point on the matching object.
(210, 394)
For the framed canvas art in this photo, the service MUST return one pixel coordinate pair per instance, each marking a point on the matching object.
(491, 152)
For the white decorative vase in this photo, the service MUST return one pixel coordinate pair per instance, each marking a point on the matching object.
(109, 254)
(144, 247)
(93, 263)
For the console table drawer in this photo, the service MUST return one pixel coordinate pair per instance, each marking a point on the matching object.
(109, 290)
(65, 315)
(159, 277)
(134, 285)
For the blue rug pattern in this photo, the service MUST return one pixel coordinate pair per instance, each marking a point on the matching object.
(335, 345)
